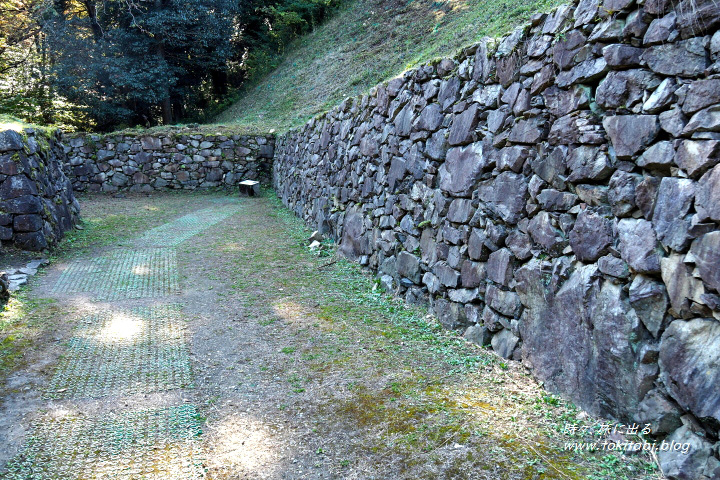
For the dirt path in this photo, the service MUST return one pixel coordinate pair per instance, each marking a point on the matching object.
(214, 345)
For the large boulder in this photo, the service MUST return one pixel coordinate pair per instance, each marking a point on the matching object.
(595, 363)
(690, 366)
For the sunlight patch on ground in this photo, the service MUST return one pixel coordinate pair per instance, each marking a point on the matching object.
(246, 445)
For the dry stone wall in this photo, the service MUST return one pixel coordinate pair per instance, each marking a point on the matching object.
(555, 195)
(37, 205)
(178, 160)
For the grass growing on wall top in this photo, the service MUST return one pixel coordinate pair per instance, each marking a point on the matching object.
(367, 42)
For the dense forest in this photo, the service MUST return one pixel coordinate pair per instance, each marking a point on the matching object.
(108, 64)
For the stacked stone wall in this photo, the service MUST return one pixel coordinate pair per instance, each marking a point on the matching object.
(37, 205)
(176, 160)
(555, 195)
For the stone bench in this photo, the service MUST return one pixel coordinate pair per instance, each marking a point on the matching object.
(249, 188)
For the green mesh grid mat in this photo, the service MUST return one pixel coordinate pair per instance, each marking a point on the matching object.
(122, 274)
(174, 233)
(123, 353)
(153, 444)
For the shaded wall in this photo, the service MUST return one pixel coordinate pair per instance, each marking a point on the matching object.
(37, 205)
(177, 160)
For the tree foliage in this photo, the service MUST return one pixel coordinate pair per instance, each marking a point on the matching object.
(106, 63)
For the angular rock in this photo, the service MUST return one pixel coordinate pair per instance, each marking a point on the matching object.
(562, 102)
(661, 97)
(436, 147)
(631, 133)
(683, 59)
(17, 186)
(461, 210)
(22, 205)
(693, 461)
(505, 196)
(706, 252)
(649, 299)
(431, 281)
(463, 295)
(408, 266)
(658, 411)
(585, 72)
(477, 250)
(623, 89)
(472, 274)
(555, 201)
(493, 321)
(695, 17)
(690, 366)
(591, 236)
(707, 195)
(542, 232)
(585, 12)
(621, 193)
(680, 284)
(598, 326)
(593, 195)
(462, 168)
(707, 120)
(430, 118)
(446, 274)
(507, 303)
(529, 131)
(588, 163)
(674, 198)
(660, 155)
(673, 121)
(613, 266)
(463, 126)
(646, 195)
(660, 30)
(696, 157)
(504, 343)
(519, 244)
(701, 94)
(577, 127)
(478, 335)
(552, 167)
(354, 242)
(638, 245)
(513, 158)
(27, 223)
(32, 241)
(500, 266)
(620, 55)
(451, 315)
(10, 140)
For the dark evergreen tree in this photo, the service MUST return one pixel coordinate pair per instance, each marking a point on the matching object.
(136, 62)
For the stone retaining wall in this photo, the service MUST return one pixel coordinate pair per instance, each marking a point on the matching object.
(37, 205)
(178, 160)
(554, 194)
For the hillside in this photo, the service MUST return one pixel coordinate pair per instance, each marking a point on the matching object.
(366, 42)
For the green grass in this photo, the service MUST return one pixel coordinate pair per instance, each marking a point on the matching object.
(365, 43)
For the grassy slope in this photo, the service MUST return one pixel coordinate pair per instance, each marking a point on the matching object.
(366, 43)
